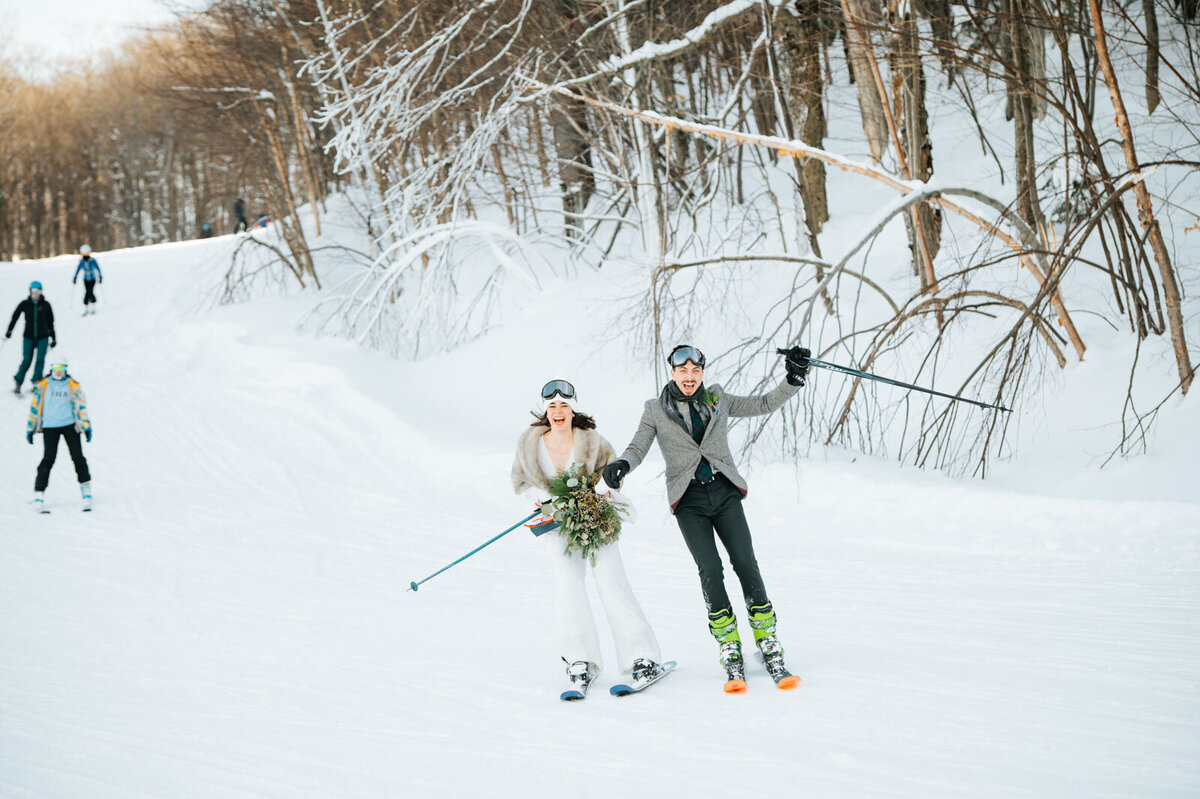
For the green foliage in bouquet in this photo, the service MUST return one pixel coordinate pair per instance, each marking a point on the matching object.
(588, 521)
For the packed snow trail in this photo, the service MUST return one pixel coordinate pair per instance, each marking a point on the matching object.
(232, 620)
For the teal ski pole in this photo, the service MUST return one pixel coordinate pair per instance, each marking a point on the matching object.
(413, 585)
(846, 370)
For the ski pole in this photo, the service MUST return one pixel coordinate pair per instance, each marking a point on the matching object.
(833, 367)
(413, 585)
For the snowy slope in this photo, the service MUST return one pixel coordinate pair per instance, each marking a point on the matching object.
(232, 620)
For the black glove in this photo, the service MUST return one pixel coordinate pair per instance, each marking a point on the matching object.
(53, 343)
(615, 472)
(29, 437)
(797, 365)
(88, 433)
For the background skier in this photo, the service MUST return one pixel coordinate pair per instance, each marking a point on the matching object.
(39, 331)
(90, 268)
(239, 214)
(59, 411)
(558, 438)
(705, 490)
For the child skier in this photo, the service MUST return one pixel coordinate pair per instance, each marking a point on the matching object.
(59, 411)
(91, 274)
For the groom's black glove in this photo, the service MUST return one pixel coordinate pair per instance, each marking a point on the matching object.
(615, 472)
(797, 365)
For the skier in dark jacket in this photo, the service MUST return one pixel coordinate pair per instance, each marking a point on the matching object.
(706, 490)
(39, 331)
(239, 213)
(91, 274)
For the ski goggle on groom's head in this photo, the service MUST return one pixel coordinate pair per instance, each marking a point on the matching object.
(558, 391)
(684, 353)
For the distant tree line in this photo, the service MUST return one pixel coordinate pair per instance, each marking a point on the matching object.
(152, 143)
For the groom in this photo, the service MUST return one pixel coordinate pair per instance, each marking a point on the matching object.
(706, 490)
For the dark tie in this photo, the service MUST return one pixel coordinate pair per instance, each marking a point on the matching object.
(704, 472)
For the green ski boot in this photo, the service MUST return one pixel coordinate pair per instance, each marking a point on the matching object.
(723, 626)
(762, 621)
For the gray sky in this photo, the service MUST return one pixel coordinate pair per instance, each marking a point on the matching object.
(34, 33)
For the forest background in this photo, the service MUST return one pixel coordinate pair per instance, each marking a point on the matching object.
(698, 135)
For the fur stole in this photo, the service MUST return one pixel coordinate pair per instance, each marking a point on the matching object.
(591, 449)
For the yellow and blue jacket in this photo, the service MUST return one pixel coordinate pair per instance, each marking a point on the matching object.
(78, 406)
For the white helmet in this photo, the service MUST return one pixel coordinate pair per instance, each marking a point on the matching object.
(85, 250)
(54, 363)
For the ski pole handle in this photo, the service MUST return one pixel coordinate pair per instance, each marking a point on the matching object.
(415, 583)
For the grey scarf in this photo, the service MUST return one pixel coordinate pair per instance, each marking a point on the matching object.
(673, 402)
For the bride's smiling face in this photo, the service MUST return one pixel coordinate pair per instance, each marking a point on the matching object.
(559, 414)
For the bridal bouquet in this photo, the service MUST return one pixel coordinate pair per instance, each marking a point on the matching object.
(589, 520)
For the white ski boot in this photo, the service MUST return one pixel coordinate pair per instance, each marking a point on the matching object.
(581, 675)
(39, 502)
(85, 490)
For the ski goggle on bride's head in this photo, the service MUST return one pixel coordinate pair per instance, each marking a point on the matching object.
(558, 391)
(559, 387)
(684, 353)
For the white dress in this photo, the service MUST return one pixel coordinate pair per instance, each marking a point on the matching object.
(574, 623)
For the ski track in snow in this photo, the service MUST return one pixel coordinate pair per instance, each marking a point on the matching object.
(232, 620)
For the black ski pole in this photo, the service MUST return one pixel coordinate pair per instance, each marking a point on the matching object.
(413, 585)
(846, 370)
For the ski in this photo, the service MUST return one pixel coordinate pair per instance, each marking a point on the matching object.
(625, 689)
(784, 679)
(572, 695)
(735, 686)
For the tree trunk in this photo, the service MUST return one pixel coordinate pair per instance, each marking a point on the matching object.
(1145, 209)
(569, 125)
(802, 46)
(1151, 55)
(1024, 63)
(860, 17)
(914, 135)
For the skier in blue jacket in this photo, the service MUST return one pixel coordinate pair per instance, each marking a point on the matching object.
(91, 275)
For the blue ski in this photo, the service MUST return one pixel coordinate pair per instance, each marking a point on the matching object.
(625, 690)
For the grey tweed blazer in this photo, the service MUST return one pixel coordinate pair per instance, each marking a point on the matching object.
(680, 450)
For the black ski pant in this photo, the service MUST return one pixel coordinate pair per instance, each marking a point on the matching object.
(30, 348)
(241, 225)
(50, 436)
(89, 294)
(716, 507)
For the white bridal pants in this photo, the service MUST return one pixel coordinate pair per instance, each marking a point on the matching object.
(574, 623)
